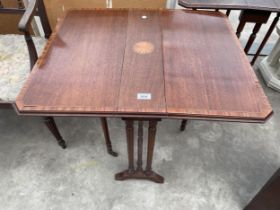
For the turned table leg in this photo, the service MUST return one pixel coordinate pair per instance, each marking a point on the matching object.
(50, 123)
(107, 137)
(140, 146)
(269, 32)
(252, 16)
(252, 37)
(139, 173)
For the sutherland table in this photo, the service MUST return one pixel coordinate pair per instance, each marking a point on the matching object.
(144, 65)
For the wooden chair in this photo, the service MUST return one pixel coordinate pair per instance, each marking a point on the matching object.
(13, 74)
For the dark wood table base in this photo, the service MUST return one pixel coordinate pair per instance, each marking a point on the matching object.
(139, 172)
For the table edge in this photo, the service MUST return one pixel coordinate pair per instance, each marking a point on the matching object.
(226, 6)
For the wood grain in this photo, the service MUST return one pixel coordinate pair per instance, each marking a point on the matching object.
(143, 70)
(210, 75)
(81, 67)
(91, 68)
(267, 5)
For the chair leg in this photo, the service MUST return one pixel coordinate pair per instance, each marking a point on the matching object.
(183, 125)
(107, 137)
(252, 37)
(50, 123)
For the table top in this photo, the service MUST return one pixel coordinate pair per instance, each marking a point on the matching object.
(144, 63)
(266, 5)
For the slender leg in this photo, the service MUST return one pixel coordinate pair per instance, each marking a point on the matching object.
(183, 125)
(130, 152)
(252, 37)
(240, 27)
(107, 137)
(151, 143)
(139, 173)
(130, 144)
(50, 123)
(140, 146)
(269, 32)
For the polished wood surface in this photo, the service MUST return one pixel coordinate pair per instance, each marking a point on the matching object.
(208, 81)
(95, 66)
(267, 5)
(82, 69)
(143, 65)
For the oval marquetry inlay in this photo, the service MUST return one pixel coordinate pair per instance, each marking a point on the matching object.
(143, 47)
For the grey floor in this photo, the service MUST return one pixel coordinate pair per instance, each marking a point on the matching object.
(210, 166)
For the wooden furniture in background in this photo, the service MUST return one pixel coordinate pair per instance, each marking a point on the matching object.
(257, 12)
(254, 11)
(175, 68)
(155, 4)
(13, 18)
(56, 9)
(37, 7)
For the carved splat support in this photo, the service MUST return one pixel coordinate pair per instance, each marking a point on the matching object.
(139, 172)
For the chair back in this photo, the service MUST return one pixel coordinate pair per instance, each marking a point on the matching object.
(27, 13)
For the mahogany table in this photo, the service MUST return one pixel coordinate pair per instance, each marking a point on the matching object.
(254, 11)
(144, 65)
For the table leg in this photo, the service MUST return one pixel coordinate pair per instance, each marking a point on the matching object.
(50, 123)
(252, 37)
(140, 146)
(269, 32)
(183, 125)
(139, 173)
(252, 16)
(107, 137)
(240, 27)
